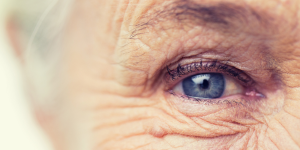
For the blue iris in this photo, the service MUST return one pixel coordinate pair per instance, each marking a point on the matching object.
(206, 85)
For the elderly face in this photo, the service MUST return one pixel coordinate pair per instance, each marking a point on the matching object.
(180, 74)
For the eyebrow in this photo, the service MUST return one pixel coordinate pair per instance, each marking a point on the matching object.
(220, 15)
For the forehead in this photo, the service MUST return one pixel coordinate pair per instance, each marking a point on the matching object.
(114, 14)
(270, 20)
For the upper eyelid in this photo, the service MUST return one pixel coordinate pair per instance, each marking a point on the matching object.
(208, 66)
(172, 76)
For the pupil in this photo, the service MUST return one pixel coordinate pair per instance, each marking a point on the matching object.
(205, 84)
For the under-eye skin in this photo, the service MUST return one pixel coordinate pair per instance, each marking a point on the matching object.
(207, 81)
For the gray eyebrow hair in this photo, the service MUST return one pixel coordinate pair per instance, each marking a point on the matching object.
(220, 15)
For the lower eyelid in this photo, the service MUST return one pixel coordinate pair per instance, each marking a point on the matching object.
(238, 108)
(197, 107)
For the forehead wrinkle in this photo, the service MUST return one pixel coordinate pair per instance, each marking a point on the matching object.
(223, 16)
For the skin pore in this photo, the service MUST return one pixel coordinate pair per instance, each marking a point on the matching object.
(116, 56)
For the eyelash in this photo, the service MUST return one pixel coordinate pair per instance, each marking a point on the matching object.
(211, 66)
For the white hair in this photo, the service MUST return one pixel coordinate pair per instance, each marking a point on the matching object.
(42, 23)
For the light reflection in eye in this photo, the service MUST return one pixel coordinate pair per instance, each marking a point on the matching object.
(208, 86)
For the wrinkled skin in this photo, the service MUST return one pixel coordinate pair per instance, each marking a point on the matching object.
(116, 82)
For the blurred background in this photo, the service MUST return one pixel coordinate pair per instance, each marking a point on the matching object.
(18, 128)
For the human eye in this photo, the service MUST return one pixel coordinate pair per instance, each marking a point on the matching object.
(208, 86)
(211, 82)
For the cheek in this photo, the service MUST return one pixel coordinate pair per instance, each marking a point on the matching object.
(114, 122)
(99, 117)
(118, 122)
